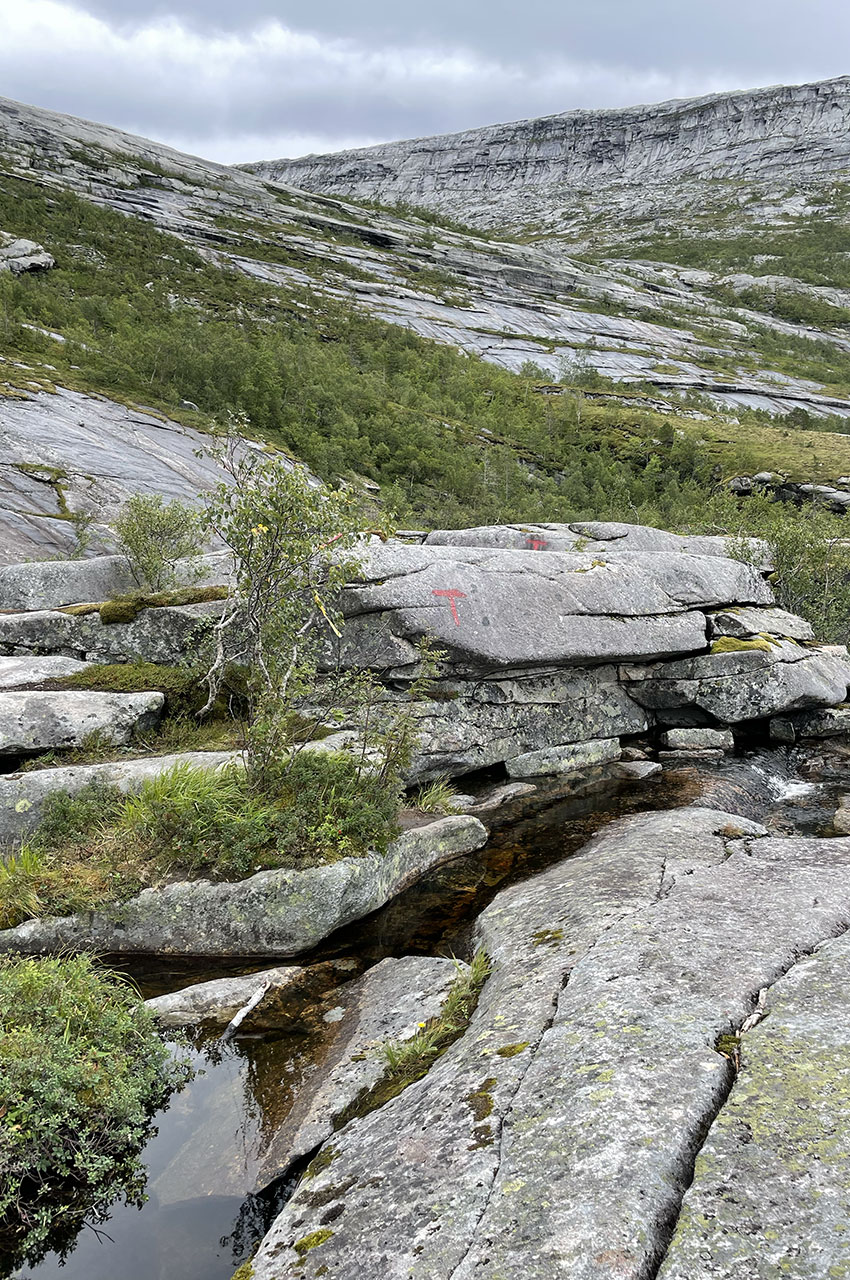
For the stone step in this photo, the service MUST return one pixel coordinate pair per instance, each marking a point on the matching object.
(60, 720)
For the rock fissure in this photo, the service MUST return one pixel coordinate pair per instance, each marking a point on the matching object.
(667, 1229)
(504, 1123)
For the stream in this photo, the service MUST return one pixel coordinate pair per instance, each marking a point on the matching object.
(206, 1208)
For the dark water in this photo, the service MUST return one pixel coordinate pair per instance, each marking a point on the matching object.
(202, 1216)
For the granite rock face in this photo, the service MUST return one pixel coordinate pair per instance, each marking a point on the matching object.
(771, 1189)
(550, 635)
(22, 256)
(550, 638)
(389, 1003)
(779, 131)
(558, 1135)
(67, 451)
(513, 303)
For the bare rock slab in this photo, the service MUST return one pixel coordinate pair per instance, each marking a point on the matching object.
(25, 672)
(389, 1003)
(564, 759)
(771, 1189)
(558, 1135)
(42, 721)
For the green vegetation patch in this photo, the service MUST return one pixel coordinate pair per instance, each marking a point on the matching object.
(511, 1050)
(128, 607)
(82, 1069)
(312, 1241)
(729, 644)
(101, 845)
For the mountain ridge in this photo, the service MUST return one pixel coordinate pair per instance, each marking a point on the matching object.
(726, 134)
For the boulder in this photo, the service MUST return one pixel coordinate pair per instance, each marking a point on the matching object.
(513, 607)
(219, 1001)
(636, 770)
(567, 1118)
(56, 721)
(22, 795)
(592, 535)
(563, 759)
(282, 913)
(40, 632)
(748, 685)
(21, 256)
(48, 584)
(469, 725)
(831, 723)
(164, 634)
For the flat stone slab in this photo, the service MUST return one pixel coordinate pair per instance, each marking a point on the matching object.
(522, 607)
(831, 723)
(281, 913)
(771, 1189)
(752, 685)
(50, 584)
(742, 621)
(219, 1000)
(558, 1135)
(26, 672)
(564, 759)
(22, 795)
(699, 740)
(43, 721)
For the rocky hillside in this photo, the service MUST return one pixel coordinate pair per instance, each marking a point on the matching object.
(149, 296)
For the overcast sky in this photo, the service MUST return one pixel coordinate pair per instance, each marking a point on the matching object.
(258, 79)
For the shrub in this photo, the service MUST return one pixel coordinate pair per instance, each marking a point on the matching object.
(154, 535)
(811, 561)
(82, 1068)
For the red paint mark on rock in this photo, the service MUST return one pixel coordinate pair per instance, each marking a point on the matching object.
(452, 596)
(537, 544)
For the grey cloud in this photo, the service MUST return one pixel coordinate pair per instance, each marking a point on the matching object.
(750, 36)
(379, 70)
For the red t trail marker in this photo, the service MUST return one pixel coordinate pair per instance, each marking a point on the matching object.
(452, 596)
(537, 544)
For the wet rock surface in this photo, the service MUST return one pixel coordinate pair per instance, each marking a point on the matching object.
(221, 999)
(391, 1002)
